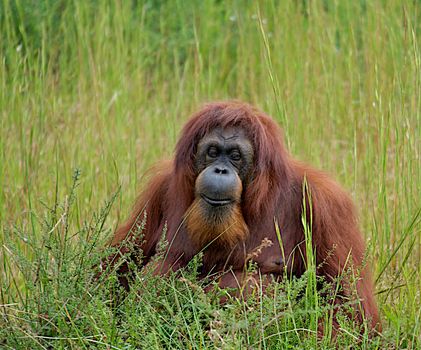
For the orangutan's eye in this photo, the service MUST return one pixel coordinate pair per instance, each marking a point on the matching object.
(212, 152)
(235, 155)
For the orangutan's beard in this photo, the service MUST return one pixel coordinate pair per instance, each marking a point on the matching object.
(222, 226)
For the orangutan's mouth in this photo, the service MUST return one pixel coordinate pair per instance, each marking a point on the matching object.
(216, 202)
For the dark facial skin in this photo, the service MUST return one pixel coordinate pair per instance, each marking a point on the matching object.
(224, 162)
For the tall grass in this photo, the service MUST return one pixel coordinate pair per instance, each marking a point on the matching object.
(105, 86)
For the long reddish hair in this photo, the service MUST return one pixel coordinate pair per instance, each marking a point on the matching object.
(271, 170)
(274, 193)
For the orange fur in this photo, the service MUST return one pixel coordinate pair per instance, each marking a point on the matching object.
(225, 231)
(230, 235)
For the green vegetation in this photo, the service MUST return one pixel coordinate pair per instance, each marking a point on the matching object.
(105, 86)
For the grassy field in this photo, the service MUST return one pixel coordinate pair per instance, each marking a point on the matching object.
(94, 92)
